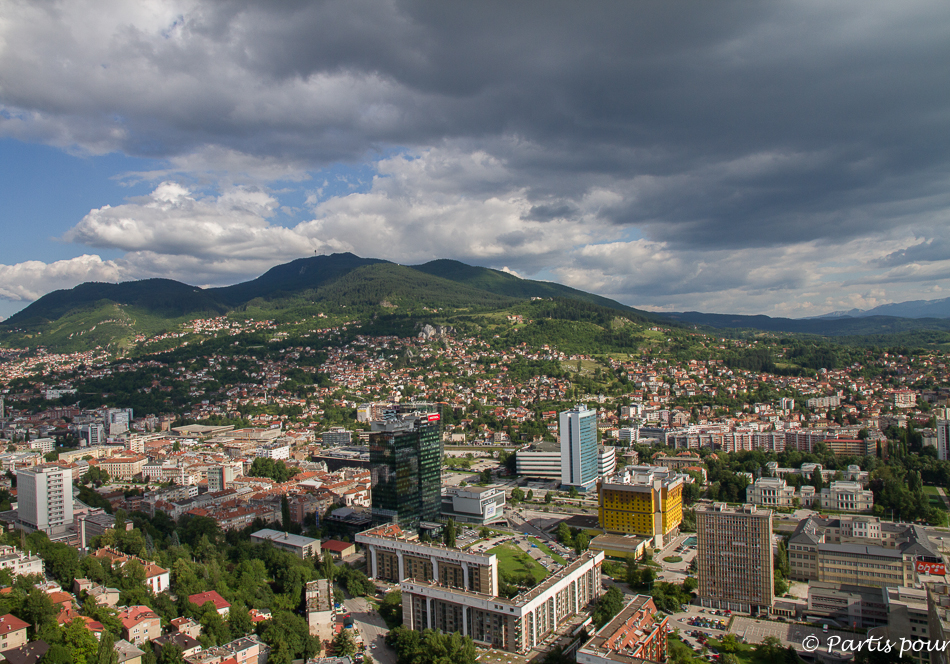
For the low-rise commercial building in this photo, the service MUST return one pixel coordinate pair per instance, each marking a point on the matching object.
(474, 505)
(318, 599)
(541, 460)
(300, 546)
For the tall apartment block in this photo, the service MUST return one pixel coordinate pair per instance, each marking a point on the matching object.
(734, 557)
(579, 453)
(943, 440)
(45, 497)
(405, 457)
(642, 500)
(453, 590)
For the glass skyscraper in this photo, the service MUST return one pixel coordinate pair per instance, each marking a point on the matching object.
(579, 447)
(405, 456)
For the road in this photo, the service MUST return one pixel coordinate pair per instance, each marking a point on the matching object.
(372, 627)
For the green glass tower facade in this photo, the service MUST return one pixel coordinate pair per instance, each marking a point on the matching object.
(405, 455)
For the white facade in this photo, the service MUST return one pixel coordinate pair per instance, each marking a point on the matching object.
(44, 445)
(473, 504)
(579, 454)
(18, 562)
(606, 461)
(846, 497)
(770, 491)
(542, 463)
(274, 451)
(45, 497)
(943, 440)
(628, 435)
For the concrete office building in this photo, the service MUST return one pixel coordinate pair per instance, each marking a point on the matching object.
(859, 551)
(734, 557)
(852, 607)
(393, 555)
(405, 454)
(337, 437)
(92, 435)
(474, 505)
(642, 500)
(45, 497)
(541, 460)
(220, 478)
(300, 546)
(579, 453)
(518, 624)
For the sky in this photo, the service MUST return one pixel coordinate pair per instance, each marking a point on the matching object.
(788, 158)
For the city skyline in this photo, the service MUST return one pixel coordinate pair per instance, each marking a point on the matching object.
(788, 160)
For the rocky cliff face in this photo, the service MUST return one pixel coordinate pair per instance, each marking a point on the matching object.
(433, 331)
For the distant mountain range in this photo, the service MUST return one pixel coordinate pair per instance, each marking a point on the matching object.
(117, 315)
(107, 314)
(911, 309)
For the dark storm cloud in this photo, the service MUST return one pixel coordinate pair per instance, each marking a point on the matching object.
(704, 126)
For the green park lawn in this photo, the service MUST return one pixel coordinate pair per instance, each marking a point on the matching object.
(514, 561)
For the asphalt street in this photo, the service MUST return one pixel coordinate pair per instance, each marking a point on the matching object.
(372, 627)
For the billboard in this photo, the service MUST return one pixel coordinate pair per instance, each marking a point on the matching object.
(924, 567)
(434, 417)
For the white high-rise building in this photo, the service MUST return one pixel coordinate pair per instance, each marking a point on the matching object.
(45, 497)
(943, 440)
(92, 435)
(579, 454)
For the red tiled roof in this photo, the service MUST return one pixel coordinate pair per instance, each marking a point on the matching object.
(335, 545)
(210, 596)
(10, 623)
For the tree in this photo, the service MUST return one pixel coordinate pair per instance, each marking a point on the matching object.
(517, 495)
(730, 643)
(633, 571)
(770, 649)
(327, 566)
(391, 608)
(239, 620)
(170, 653)
(81, 641)
(530, 494)
(548, 498)
(581, 542)
(343, 644)
(449, 535)
(285, 521)
(106, 653)
(608, 606)
(37, 609)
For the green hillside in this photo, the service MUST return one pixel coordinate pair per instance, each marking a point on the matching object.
(159, 297)
(502, 283)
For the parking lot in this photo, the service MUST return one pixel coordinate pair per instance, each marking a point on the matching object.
(754, 631)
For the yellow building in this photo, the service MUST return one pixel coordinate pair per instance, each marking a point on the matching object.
(642, 500)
